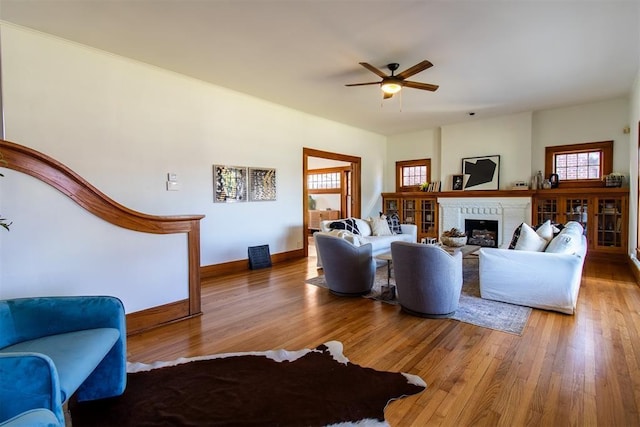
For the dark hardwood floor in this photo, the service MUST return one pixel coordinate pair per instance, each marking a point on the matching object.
(564, 370)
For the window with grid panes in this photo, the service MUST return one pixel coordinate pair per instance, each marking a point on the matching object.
(411, 173)
(580, 165)
(323, 181)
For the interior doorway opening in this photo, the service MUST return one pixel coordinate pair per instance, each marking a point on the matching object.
(341, 167)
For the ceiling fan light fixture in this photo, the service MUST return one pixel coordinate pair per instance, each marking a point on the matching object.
(391, 87)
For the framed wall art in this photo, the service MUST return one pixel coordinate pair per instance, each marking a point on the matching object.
(262, 184)
(229, 184)
(481, 173)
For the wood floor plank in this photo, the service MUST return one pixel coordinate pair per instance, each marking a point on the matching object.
(564, 370)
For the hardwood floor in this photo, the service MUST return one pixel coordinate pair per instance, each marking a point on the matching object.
(564, 370)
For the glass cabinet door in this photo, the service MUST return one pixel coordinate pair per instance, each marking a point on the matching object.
(546, 209)
(390, 206)
(610, 231)
(409, 211)
(428, 224)
(577, 210)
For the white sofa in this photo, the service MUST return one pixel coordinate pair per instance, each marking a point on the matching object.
(549, 280)
(379, 244)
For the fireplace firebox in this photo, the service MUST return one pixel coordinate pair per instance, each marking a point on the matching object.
(481, 232)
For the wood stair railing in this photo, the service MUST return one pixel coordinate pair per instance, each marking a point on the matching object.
(54, 173)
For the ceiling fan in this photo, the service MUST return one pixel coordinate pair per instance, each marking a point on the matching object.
(391, 84)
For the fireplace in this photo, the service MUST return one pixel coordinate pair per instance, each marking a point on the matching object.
(508, 212)
(481, 232)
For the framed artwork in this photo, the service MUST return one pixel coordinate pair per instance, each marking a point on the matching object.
(229, 184)
(481, 173)
(457, 182)
(262, 184)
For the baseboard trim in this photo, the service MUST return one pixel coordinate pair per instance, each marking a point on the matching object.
(242, 265)
(153, 317)
(635, 269)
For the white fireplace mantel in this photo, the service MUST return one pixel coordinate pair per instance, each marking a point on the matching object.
(510, 212)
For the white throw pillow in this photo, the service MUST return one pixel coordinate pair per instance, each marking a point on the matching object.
(363, 227)
(567, 242)
(379, 227)
(574, 226)
(529, 240)
(545, 231)
(346, 235)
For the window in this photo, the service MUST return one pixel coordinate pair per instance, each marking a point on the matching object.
(323, 181)
(580, 165)
(411, 173)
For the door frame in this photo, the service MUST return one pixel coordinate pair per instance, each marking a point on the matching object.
(356, 164)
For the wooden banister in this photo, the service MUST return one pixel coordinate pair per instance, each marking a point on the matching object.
(54, 173)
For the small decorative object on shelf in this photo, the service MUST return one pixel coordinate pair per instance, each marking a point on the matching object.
(454, 238)
(613, 180)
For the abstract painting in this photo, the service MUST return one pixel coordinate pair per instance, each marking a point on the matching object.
(481, 173)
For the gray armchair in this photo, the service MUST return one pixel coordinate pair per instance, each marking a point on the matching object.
(349, 270)
(428, 279)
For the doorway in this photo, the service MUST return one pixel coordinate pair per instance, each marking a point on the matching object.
(350, 199)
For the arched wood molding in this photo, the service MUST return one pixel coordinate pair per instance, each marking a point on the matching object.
(54, 173)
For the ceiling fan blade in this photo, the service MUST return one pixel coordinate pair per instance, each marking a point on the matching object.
(363, 84)
(418, 85)
(421, 66)
(386, 95)
(373, 69)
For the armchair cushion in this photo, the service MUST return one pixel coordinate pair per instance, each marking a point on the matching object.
(33, 418)
(74, 354)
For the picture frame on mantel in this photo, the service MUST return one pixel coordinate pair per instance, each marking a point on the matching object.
(457, 182)
(481, 173)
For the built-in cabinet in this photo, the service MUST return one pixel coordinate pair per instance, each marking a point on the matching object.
(418, 209)
(603, 212)
(315, 216)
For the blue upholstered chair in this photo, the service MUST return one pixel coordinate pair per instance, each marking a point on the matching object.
(349, 270)
(53, 347)
(428, 279)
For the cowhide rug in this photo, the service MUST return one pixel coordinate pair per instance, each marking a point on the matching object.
(311, 387)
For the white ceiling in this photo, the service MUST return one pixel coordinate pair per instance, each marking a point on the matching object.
(490, 57)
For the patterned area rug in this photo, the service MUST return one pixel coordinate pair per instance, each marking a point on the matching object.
(310, 387)
(472, 309)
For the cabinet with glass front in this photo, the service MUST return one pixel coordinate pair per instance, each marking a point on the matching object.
(603, 212)
(412, 208)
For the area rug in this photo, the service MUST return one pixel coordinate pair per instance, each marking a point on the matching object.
(310, 387)
(472, 309)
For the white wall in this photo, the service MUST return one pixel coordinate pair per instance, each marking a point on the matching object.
(122, 125)
(508, 136)
(598, 121)
(411, 146)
